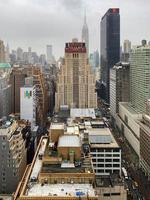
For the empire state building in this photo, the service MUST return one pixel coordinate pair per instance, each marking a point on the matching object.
(85, 34)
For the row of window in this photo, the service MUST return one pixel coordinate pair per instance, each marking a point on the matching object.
(106, 160)
(106, 165)
(105, 150)
(107, 171)
(105, 155)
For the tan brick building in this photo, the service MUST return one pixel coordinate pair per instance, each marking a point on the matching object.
(76, 82)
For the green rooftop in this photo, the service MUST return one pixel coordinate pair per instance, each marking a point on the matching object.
(5, 65)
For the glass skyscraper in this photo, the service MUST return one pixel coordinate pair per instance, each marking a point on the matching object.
(109, 47)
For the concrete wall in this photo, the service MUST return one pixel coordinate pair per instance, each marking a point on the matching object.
(129, 128)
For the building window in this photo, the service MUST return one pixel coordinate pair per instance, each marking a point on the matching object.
(108, 150)
(108, 165)
(100, 155)
(100, 165)
(116, 150)
(4, 179)
(108, 171)
(116, 155)
(108, 160)
(100, 160)
(3, 147)
(115, 160)
(116, 165)
(100, 171)
(109, 155)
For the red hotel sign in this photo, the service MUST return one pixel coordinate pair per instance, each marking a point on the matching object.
(77, 47)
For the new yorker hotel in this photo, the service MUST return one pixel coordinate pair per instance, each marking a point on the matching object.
(76, 82)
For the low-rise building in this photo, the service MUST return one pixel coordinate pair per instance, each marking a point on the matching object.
(105, 152)
(59, 171)
(111, 188)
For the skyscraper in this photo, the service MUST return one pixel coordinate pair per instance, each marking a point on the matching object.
(29, 55)
(127, 46)
(85, 34)
(49, 52)
(119, 86)
(110, 46)
(76, 82)
(7, 57)
(140, 77)
(126, 51)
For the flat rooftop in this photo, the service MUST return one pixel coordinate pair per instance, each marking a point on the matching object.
(57, 126)
(82, 112)
(69, 141)
(38, 163)
(64, 190)
(73, 130)
(102, 138)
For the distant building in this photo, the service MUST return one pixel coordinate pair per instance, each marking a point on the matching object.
(2, 52)
(109, 48)
(119, 86)
(42, 59)
(49, 52)
(127, 46)
(76, 81)
(126, 51)
(85, 35)
(94, 60)
(12, 154)
(19, 54)
(7, 54)
(29, 55)
(35, 58)
(144, 42)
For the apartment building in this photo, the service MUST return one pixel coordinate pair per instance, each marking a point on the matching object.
(12, 155)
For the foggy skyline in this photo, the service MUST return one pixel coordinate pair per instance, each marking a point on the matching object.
(37, 23)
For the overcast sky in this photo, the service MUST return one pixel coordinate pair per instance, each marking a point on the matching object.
(36, 23)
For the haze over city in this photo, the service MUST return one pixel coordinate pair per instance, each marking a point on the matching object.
(36, 23)
(74, 100)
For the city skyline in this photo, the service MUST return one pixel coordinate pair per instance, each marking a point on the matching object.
(36, 23)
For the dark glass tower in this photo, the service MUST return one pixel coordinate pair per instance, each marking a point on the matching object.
(110, 47)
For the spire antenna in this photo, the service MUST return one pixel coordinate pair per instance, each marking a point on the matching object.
(85, 16)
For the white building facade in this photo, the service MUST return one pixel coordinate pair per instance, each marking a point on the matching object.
(27, 104)
(105, 152)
